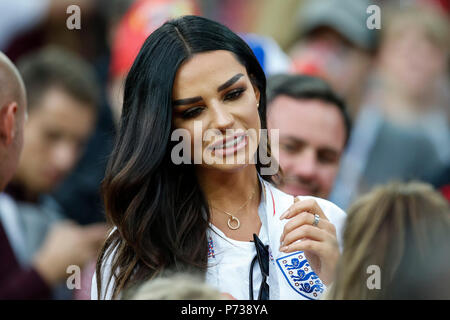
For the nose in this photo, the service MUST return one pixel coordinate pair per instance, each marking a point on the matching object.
(64, 157)
(305, 164)
(222, 118)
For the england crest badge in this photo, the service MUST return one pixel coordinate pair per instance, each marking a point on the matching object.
(300, 276)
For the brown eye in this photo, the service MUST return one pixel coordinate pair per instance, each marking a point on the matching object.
(289, 147)
(52, 136)
(234, 94)
(327, 157)
(191, 113)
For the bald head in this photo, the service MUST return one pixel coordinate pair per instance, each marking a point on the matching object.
(11, 83)
(12, 115)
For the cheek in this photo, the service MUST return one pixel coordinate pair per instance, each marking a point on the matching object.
(251, 111)
(251, 121)
(32, 139)
(190, 134)
(286, 160)
(327, 175)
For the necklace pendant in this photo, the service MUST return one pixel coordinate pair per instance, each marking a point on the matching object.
(237, 223)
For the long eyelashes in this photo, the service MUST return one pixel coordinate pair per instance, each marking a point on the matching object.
(230, 96)
(234, 94)
(191, 113)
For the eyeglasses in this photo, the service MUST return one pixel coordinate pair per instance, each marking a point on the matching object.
(262, 255)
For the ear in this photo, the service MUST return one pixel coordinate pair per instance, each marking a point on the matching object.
(257, 94)
(256, 91)
(8, 123)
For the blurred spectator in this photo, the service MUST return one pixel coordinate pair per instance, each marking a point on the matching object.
(270, 56)
(411, 85)
(314, 128)
(19, 16)
(404, 230)
(60, 87)
(79, 193)
(441, 181)
(62, 97)
(13, 278)
(379, 152)
(113, 12)
(13, 115)
(177, 286)
(334, 43)
(382, 149)
(27, 25)
(20, 280)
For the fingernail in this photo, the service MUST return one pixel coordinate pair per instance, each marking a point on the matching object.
(284, 215)
(284, 249)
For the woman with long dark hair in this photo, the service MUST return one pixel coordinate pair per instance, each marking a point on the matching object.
(190, 210)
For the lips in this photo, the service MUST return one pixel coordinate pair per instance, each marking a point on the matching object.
(228, 142)
(229, 146)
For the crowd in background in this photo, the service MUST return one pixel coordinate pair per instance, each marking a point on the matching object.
(391, 86)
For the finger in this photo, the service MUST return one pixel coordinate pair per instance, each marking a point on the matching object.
(306, 218)
(314, 246)
(309, 205)
(304, 232)
(302, 219)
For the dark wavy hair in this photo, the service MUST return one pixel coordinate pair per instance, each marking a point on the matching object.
(160, 212)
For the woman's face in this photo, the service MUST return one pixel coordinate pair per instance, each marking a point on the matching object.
(215, 105)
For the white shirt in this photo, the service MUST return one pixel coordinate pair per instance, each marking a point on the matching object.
(290, 276)
(10, 218)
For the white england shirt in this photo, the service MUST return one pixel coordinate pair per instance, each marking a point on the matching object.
(290, 275)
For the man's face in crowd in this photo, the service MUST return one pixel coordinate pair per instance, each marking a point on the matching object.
(327, 55)
(55, 134)
(312, 139)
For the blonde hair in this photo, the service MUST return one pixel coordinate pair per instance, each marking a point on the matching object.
(433, 22)
(393, 227)
(176, 286)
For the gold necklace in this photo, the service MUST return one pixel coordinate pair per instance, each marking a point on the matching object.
(232, 217)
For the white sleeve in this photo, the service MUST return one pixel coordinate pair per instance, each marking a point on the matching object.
(94, 293)
(107, 288)
(336, 216)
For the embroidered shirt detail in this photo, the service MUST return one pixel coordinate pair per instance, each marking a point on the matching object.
(210, 248)
(300, 276)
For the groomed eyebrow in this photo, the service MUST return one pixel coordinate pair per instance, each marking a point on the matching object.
(297, 141)
(230, 82)
(186, 101)
(227, 84)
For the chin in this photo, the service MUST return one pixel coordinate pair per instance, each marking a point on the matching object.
(49, 186)
(230, 168)
(297, 191)
(236, 162)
